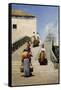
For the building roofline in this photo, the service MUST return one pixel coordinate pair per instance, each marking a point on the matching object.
(19, 13)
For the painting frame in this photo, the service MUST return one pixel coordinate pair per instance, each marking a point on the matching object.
(10, 43)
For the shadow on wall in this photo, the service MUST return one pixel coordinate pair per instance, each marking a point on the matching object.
(19, 43)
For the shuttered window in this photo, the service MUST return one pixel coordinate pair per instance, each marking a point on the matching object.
(14, 26)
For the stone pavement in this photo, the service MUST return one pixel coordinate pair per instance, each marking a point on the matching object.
(45, 74)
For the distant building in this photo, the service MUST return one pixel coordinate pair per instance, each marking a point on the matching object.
(23, 24)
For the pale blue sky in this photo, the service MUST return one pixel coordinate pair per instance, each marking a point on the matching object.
(44, 14)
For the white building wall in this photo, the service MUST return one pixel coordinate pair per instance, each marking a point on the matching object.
(25, 27)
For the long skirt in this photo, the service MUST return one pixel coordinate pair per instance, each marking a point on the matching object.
(26, 67)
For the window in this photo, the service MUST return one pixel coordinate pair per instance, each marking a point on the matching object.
(14, 26)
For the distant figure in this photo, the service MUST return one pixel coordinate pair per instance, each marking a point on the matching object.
(35, 41)
(42, 56)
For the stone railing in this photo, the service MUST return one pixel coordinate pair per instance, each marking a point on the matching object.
(19, 43)
(53, 59)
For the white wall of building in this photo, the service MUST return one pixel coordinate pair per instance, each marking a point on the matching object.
(25, 27)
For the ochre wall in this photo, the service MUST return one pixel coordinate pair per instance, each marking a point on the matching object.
(25, 27)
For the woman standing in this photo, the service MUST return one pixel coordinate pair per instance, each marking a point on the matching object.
(42, 56)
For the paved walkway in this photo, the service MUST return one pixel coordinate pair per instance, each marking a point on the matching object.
(45, 74)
